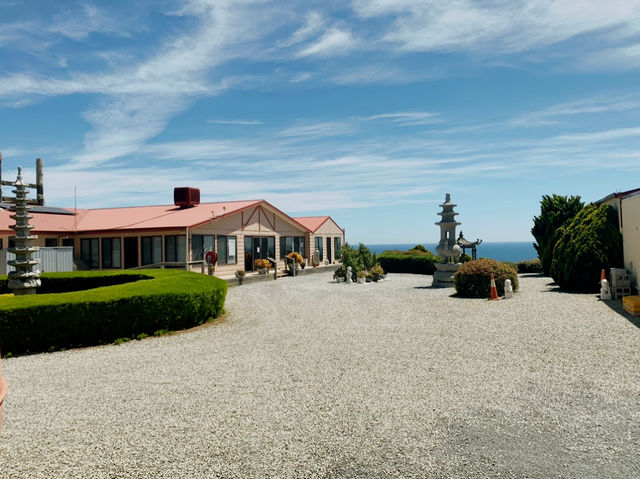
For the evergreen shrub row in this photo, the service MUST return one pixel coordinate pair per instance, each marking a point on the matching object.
(416, 261)
(156, 300)
(530, 266)
(473, 279)
(588, 244)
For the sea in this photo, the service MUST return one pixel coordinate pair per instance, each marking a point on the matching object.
(515, 251)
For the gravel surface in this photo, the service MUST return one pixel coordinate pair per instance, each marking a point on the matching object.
(308, 378)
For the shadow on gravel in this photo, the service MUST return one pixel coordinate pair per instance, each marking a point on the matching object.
(616, 305)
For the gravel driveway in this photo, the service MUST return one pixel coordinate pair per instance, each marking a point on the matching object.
(307, 378)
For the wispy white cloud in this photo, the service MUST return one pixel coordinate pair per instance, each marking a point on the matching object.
(314, 23)
(334, 41)
(237, 122)
(626, 57)
(408, 118)
(300, 77)
(89, 19)
(316, 130)
(600, 136)
(498, 27)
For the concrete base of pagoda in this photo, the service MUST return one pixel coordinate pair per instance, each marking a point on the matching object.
(443, 277)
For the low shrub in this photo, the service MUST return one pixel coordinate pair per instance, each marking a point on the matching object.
(376, 272)
(413, 261)
(473, 279)
(465, 258)
(530, 266)
(164, 300)
(590, 243)
(512, 264)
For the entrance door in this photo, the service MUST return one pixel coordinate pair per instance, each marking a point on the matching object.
(130, 252)
(329, 249)
(248, 254)
(256, 247)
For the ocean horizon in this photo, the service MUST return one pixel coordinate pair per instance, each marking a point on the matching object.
(502, 251)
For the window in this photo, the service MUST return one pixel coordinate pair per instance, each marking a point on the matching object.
(291, 243)
(89, 251)
(49, 242)
(1, 245)
(175, 248)
(338, 246)
(111, 253)
(319, 248)
(151, 249)
(199, 244)
(227, 249)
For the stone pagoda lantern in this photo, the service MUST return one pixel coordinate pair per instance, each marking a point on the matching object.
(23, 280)
(447, 249)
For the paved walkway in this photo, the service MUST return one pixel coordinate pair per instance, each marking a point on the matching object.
(308, 378)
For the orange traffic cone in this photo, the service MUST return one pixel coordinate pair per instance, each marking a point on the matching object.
(494, 291)
(602, 276)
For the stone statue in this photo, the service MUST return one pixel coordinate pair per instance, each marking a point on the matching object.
(508, 289)
(605, 290)
(349, 278)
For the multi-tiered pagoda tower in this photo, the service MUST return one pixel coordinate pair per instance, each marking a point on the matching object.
(447, 249)
(23, 280)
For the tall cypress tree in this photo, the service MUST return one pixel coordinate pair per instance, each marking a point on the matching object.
(555, 211)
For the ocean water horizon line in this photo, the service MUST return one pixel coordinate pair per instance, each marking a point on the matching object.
(513, 251)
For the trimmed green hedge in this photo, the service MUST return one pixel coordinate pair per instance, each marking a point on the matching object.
(78, 281)
(412, 261)
(530, 266)
(156, 300)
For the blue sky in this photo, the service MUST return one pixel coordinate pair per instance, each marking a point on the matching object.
(369, 111)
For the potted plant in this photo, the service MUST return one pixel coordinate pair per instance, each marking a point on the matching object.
(362, 276)
(295, 259)
(376, 272)
(262, 265)
(340, 275)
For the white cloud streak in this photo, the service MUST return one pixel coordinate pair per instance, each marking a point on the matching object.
(334, 41)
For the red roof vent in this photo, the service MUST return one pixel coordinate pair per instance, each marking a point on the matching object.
(186, 197)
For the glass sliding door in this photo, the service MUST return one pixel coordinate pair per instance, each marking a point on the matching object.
(258, 247)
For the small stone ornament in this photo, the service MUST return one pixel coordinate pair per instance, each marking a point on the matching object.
(349, 280)
(508, 289)
(605, 290)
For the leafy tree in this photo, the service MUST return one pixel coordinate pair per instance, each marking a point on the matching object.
(589, 243)
(555, 211)
(368, 260)
(350, 257)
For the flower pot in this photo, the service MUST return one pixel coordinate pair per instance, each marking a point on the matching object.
(262, 270)
(361, 280)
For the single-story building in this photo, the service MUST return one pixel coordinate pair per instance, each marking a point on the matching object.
(239, 231)
(627, 204)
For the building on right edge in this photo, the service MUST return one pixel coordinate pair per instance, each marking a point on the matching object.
(627, 204)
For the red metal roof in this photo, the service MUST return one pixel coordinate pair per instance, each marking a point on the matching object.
(129, 218)
(313, 223)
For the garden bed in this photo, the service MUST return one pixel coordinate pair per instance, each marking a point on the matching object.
(120, 305)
